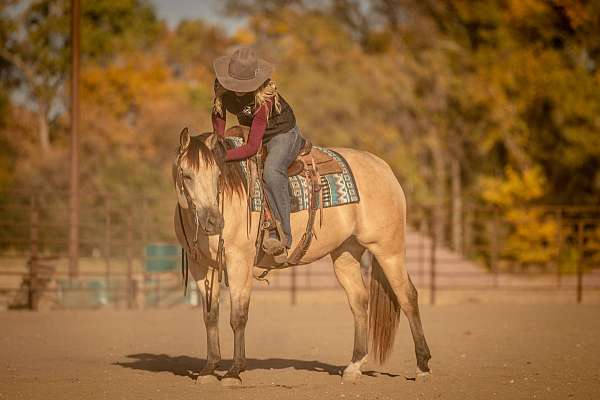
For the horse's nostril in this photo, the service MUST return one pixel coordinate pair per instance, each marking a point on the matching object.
(211, 221)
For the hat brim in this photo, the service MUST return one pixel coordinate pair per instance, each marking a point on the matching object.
(263, 72)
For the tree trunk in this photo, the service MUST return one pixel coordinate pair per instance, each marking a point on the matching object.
(44, 129)
(457, 208)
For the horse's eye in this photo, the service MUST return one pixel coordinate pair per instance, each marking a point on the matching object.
(187, 177)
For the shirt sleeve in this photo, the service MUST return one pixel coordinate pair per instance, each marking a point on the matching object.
(257, 131)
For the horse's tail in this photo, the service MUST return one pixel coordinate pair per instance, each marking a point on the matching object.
(384, 314)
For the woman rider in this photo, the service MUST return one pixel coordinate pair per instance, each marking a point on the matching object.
(244, 88)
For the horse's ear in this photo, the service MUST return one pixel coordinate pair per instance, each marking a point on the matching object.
(212, 140)
(184, 140)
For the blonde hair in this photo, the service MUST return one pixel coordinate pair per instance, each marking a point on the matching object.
(266, 91)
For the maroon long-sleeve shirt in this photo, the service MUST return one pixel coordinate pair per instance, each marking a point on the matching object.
(257, 131)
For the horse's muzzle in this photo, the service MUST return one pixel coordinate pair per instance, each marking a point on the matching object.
(211, 221)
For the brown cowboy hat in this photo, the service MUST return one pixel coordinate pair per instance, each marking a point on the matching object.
(242, 71)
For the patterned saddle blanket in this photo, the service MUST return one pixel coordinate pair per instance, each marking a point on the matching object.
(338, 188)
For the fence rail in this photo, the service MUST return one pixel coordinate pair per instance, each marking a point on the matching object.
(565, 254)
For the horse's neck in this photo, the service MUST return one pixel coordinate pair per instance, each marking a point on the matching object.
(236, 217)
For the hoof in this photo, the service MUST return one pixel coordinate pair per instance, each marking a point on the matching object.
(352, 373)
(231, 382)
(207, 379)
(423, 376)
(351, 376)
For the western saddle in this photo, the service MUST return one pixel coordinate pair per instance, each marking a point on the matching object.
(310, 162)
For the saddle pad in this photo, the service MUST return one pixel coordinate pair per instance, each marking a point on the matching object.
(338, 188)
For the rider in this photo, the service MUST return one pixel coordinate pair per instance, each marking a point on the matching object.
(244, 88)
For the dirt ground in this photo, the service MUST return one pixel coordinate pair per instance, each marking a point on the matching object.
(480, 351)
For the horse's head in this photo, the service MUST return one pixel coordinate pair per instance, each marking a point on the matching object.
(198, 179)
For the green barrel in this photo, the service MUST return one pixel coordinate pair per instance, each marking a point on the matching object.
(161, 257)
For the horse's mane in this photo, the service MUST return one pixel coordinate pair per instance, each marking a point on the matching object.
(232, 176)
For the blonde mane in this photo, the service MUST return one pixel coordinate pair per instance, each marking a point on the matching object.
(232, 174)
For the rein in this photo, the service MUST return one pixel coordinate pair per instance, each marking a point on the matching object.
(217, 264)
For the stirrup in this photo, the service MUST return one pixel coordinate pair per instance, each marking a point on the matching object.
(272, 245)
(281, 257)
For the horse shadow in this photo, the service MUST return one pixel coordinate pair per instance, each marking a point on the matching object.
(190, 366)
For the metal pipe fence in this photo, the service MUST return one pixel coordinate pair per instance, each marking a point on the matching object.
(556, 248)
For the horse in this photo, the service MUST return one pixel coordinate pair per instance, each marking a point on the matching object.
(212, 222)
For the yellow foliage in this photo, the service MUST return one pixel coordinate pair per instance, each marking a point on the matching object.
(127, 83)
(533, 236)
(244, 36)
(517, 189)
(527, 8)
(532, 232)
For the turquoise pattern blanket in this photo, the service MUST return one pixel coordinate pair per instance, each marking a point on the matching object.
(338, 189)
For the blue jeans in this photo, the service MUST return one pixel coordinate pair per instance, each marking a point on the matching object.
(282, 149)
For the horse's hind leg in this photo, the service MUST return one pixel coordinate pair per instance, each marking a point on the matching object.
(346, 263)
(393, 265)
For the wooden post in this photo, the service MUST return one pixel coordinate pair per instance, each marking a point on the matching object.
(74, 170)
(558, 247)
(143, 257)
(293, 288)
(457, 206)
(432, 260)
(130, 292)
(468, 230)
(107, 253)
(580, 240)
(32, 295)
(494, 251)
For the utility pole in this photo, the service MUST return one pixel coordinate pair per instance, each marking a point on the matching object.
(74, 173)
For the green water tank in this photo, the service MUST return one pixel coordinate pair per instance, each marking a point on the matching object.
(161, 257)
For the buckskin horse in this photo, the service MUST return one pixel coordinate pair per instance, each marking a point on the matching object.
(210, 220)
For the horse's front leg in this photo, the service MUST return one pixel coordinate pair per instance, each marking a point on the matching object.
(240, 285)
(211, 321)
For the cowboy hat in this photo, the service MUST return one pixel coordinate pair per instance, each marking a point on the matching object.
(242, 71)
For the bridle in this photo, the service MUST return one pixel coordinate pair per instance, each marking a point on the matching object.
(195, 252)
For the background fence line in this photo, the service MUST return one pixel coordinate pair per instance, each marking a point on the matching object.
(113, 272)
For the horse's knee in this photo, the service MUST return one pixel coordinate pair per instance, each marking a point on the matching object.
(212, 317)
(238, 320)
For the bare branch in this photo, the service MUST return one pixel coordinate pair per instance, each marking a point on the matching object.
(18, 62)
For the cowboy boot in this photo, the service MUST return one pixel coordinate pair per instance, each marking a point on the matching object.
(275, 247)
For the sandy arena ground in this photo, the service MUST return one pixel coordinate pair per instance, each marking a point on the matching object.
(480, 351)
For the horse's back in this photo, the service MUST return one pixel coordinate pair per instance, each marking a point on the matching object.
(367, 167)
(382, 206)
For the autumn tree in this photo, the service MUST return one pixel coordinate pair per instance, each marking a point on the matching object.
(35, 41)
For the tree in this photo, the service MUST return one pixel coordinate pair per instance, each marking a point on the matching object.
(35, 41)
